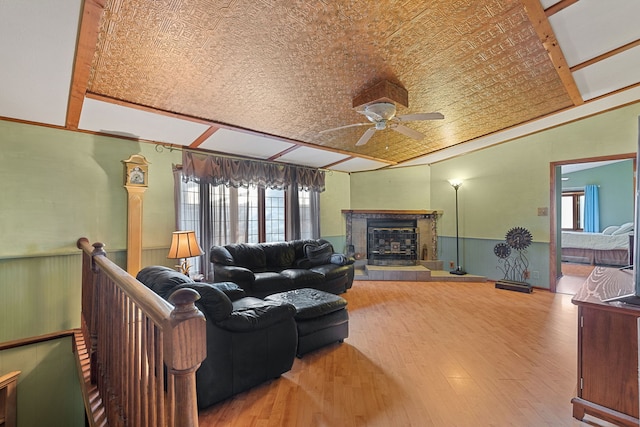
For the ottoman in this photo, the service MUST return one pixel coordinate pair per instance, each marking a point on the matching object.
(321, 317)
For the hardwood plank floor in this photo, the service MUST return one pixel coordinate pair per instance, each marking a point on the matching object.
(429, 354)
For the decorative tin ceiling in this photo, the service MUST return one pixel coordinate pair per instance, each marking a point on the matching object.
(291, 69)
(262, 78)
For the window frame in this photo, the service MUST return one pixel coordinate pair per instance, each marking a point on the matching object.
(576, 206)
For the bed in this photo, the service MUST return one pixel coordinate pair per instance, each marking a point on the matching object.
(611, 247)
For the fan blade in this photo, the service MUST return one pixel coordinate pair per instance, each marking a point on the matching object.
(408, 132)
(374, 117)
(344, 127)
(366, 136)
(420, 116)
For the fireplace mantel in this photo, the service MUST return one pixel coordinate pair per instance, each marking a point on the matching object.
(391, 212)
(356, 222)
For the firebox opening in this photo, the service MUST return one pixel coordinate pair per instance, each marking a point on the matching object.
(392, 241)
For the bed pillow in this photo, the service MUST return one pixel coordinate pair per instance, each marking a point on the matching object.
(624, 229)
(610, 229)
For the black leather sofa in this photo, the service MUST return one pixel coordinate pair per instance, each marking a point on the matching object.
(263, 269)
(249, 340)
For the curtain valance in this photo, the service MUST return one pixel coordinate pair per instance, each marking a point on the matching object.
(218, 170)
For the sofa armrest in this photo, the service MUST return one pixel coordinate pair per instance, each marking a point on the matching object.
(250, 314)
(213, 302)
(243, 277)
(230, 289)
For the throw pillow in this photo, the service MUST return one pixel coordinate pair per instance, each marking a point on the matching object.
(339, 259)
(318, 254)
(610, 229)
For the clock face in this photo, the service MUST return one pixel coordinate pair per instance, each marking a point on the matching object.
(137, 176)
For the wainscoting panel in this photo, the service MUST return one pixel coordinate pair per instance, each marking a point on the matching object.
(48, 387)
(477, 257)
(40, 295)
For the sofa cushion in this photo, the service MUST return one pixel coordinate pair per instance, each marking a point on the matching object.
(248, 255)
(298, 246)
(318, 254)
(213, 302)
(303, 278)
(331, 271)
(221, 255)
(270, 282)
(278, 255)
(250, 314)
(162, 280)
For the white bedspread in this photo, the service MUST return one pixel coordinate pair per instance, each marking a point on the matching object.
(598, 241)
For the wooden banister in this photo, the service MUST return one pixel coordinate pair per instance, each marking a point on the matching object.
(134, 340)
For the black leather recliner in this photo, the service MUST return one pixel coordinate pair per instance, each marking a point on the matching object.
(249, 340)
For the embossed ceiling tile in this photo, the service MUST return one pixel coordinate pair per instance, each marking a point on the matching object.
(292, 68)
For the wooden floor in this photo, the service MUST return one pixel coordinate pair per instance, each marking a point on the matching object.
(573, 276)
(429, 354)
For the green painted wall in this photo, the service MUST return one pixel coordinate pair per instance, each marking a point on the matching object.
(506, 184)
(66, 185)
(58, 186)
(399, 188)
(48, 388)
(333, 200)
(615, 192)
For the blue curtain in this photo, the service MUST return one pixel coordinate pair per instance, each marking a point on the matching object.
(591, 209)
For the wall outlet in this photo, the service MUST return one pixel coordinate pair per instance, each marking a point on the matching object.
(452, 264)
(526, 274)
(543, 211)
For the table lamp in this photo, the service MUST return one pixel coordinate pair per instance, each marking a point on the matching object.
(184, 245)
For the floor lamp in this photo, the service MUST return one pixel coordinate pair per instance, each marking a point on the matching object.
(456, 184)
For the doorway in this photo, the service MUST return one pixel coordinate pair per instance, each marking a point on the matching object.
(567, 276)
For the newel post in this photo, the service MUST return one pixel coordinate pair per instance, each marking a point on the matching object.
(185, 349)
(90, 295)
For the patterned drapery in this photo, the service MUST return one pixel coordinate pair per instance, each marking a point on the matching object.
(218, 170)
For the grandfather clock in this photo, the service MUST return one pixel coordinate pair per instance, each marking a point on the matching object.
(136, 176)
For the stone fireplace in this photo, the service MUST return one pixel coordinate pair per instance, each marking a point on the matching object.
(392, 237)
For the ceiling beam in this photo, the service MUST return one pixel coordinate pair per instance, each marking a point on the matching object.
(127, 104)
(283, 152)
(87, 40)
(543, 28)
(605, 55)
(552, 10)
(205, 135)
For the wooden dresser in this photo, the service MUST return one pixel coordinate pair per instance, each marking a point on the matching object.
(607, 349)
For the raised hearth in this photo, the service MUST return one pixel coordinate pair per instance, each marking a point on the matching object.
(415, 273)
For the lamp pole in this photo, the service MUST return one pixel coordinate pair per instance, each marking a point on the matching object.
(459, 271)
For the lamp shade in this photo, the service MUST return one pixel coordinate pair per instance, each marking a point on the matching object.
(455, 183)
(184, 245)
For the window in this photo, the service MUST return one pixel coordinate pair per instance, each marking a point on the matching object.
(307, 210)
(221, 215)
(274, 219)
(572, 210)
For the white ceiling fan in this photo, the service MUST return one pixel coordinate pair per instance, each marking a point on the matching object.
(383, 116)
